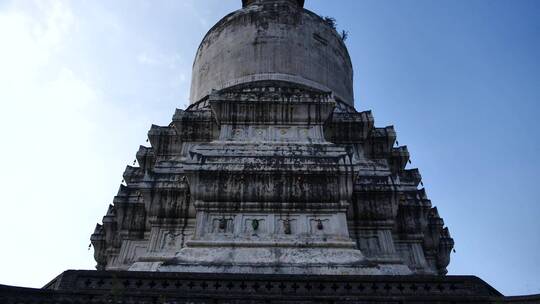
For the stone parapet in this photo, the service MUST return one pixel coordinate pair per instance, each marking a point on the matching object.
(150, 287)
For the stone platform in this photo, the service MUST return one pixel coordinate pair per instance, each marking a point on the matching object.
(78, 286)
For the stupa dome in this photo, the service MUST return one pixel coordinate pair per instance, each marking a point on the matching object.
(273, 40)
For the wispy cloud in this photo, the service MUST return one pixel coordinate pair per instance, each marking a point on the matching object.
(33, 79)
(48, 129)
(31, 34)
(191, 9)
(161, 60)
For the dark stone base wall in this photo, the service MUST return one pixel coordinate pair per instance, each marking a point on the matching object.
(141, 287)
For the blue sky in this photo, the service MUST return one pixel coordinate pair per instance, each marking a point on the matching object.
(82, 81)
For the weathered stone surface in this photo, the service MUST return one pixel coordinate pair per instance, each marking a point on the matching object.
(272, 174)
(272, 40)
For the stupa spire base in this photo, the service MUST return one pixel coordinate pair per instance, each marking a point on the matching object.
(271, 168)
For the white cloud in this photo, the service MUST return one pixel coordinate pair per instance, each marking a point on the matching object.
(34, 81)
(46, 123)
(160, 60)
(30, 35)
(74, 106)
(189, 7)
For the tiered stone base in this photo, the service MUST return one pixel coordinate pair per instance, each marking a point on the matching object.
(154, 287)
(272, 260)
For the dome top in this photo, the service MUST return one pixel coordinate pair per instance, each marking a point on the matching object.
(272, 40)
(249, 2)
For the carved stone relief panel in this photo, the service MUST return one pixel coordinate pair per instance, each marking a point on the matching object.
(255, 225)
(285, 133)
(259, 134)
(319, 226)
(222, 225)
(304, 133)
(238, 134)
(171, 239)
(286, 226)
